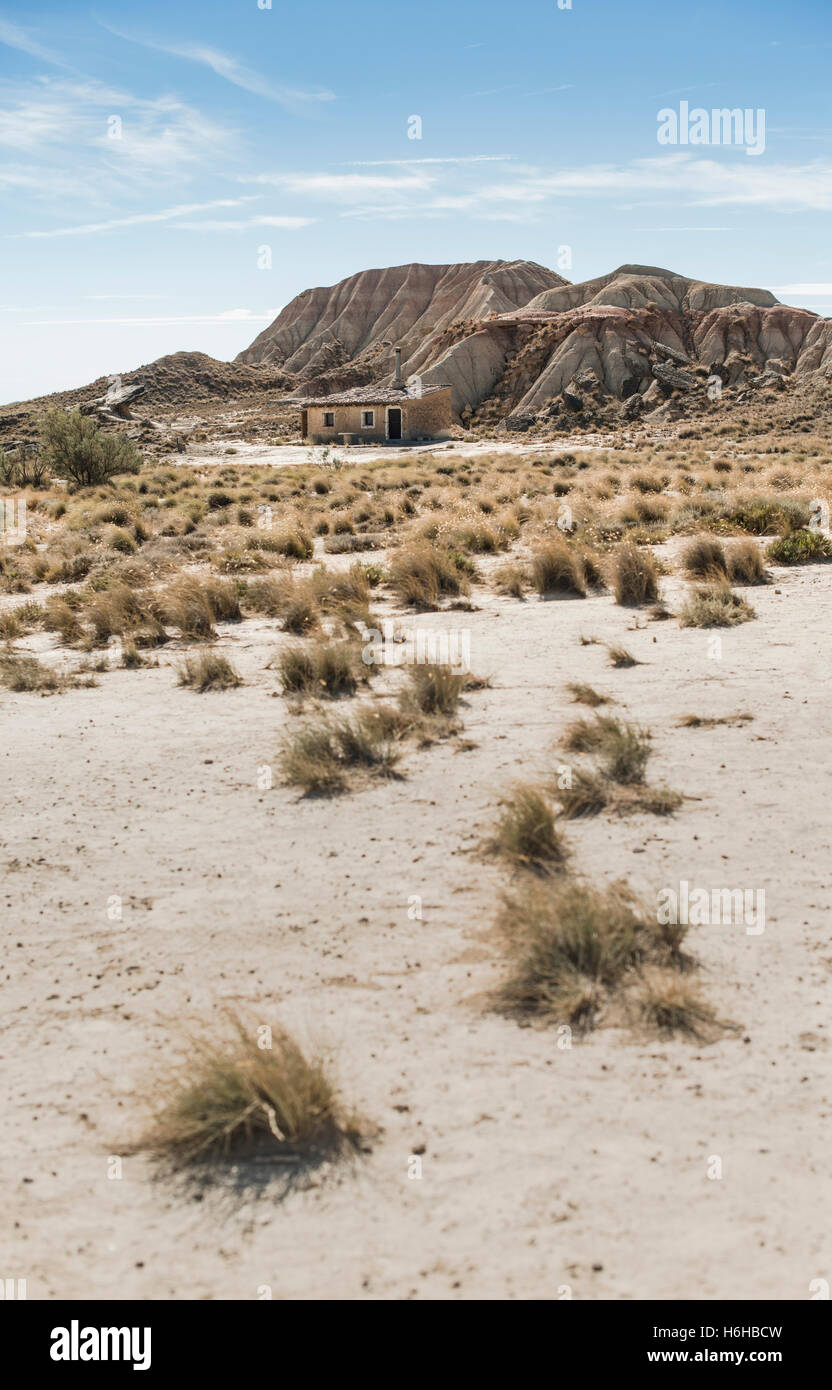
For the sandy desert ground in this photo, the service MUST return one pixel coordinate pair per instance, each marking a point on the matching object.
(546, 1172)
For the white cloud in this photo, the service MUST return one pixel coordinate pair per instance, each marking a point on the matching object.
(115, 223)
(212, 225)
(699, 182)
(124, 296)
(448, 159)
(223, 316)
(149, 138)
(804, 290)
(227, 67)
(346, 186)
(675, 180)
(14, 37)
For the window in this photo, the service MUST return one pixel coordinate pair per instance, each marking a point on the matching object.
(368, 419)
(329, 419)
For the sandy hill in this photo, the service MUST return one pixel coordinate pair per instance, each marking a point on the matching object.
(357, 322)
(517, 343)
(640, 335)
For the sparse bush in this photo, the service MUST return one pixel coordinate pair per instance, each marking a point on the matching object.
(525, 833)
(319, 754)
(705, 558)
(746, 564)
(331, 668)
(230, 1098)
(715, 605)
(421, 574)
(208, 671)
(802, 547)
(672, 1005)
(434, 689)
(23, 469)
(620, 657)
(557, 568)
(635, 579)
(74, 447)
(584, 694)
(574, 949)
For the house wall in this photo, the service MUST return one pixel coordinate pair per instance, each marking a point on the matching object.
(426, 416)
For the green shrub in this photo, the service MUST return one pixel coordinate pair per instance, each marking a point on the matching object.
(802, 547)
(74, 447)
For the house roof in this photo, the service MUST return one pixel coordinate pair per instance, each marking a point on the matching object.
(370, 395)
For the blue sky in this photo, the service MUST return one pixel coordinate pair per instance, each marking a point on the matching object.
(148, 152)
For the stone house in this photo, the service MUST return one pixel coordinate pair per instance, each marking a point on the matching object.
(378, 414)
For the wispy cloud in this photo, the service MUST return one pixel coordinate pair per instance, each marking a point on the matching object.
(805, 291)
(221, 317)
(124, 296)
(215, 225)
(345, 186)
(702, 182)
(12, 36)
(436, 159)
(228, 67)
(149, 138)
(116, 223)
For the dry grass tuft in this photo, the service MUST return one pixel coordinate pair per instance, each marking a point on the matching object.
(26, 673)
(746, 564)
(231, 1099)
(434, 689)
(421, 574)
(623, 747)
(574, 948)
(320, 754)
(704, 558)
(329, 668)
(634, 577)
(584, 694)
(208, 671)
(715, 605)
(702, 721)
(526, 834)
(671, 1005)
(556, 569)
(620, 657)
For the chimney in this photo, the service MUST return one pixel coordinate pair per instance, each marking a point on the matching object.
(397, 380)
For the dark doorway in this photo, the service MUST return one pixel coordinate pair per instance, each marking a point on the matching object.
(304, 423)
(394, 423)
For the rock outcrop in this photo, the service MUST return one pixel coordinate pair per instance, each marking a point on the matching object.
(640, 331)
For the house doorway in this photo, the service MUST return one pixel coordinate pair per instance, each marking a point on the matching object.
(394, 422)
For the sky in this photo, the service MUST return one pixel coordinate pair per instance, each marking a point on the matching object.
(172, 173)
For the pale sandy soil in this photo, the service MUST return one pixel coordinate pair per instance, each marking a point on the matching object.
(543, 1169)
(212, 453)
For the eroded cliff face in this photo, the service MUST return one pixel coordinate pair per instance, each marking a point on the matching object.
(358, 321)
(639, 336)
(515, 341)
